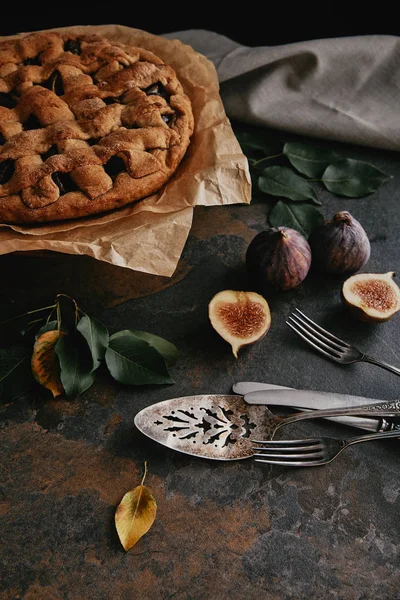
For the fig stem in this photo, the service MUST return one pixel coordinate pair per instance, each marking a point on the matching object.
(343, 217)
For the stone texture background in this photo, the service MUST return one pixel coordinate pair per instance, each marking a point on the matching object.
(223, 530)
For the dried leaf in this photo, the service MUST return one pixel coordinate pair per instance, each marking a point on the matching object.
(44, 363)
(135, 514)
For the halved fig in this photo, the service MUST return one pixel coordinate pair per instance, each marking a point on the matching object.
(240, 318)
(372, 297)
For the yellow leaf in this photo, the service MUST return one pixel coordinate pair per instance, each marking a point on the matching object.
(44, 363)
(135, 514)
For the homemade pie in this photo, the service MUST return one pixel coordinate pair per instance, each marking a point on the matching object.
(86, 125)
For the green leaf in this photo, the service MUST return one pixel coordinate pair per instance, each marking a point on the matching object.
(301, 217)
(309, 159)
(75, 364)
(169, 352)
(353, 178)
(16, 378)
(256, 140)
(50, 326)
(132, 360)
(282, 181)
(97, 336)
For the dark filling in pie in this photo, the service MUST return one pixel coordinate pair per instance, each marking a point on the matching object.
(32, 122)
(73, 46)
(7, 100)
(114, 166)
(167, 118)
(64, 182)
(34, 60)
(112, 100)
(54, 83)
(50, 152)
(7, 168)
(157, 89)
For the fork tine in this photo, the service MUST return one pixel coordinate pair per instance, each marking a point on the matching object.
(328, 334)
(315, 334)
(291, 455)
(317, 347)
(300, 447)
(290, 463)
(286, 442)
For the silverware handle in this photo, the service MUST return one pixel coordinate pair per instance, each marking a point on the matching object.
(373, 437)
(358, 422)
(382, 409)
(381, 363)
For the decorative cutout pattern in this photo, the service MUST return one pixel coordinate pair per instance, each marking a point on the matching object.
(218, 426)
(212, 426)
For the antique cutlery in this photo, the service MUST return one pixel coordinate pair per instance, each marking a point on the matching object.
(310, 452)
(275, 395)
(329, 345)
(221, 427)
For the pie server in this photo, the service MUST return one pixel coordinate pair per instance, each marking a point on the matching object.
(221, 427)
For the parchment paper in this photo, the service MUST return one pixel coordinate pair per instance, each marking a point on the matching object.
(149, 235)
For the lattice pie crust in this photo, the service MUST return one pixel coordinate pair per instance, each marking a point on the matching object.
(86, 125)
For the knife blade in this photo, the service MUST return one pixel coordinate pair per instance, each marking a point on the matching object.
(276, 395)
(313, 398)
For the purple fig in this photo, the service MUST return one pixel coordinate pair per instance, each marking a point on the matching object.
(340, 245)
(278, 259)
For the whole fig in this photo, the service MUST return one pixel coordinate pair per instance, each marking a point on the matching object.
(340, 245)
(278, 259)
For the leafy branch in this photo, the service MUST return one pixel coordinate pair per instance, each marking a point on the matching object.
(294, 184)
(69, 346)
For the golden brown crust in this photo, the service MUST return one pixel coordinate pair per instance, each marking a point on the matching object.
(86, 125)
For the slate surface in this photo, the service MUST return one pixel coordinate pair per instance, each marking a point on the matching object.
(223, 530)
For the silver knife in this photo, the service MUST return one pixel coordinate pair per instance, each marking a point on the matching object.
(272, 394)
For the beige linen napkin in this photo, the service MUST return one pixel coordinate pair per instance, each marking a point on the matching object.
(343, 89)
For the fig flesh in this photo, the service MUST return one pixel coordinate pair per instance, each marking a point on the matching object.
(372, 297)
(340, 245)
(240, 318)
(278, 259)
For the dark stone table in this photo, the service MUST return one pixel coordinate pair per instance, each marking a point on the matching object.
(223, 529)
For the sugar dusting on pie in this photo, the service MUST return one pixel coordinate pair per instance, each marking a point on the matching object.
(87, 125)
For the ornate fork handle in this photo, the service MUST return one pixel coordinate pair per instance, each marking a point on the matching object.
(380, 363)
(382, 409)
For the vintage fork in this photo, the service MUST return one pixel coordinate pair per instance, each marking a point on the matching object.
(329, 345)
(309, 452)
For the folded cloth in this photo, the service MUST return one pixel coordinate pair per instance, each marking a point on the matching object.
(344, 89)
